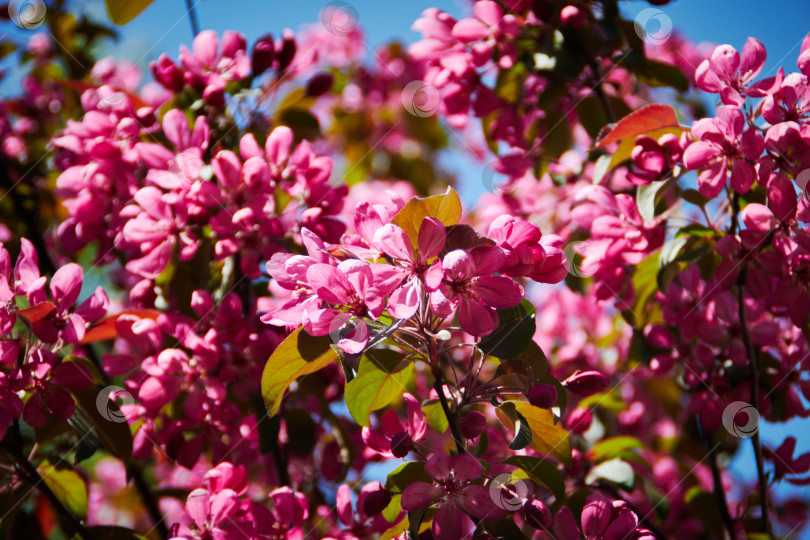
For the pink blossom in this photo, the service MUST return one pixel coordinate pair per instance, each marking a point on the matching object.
(395, 439)
(349, 294)
(727, 73)
(422, 270)
(470, 286)
(49, 379)
(456, 495)
(209, 68)
(723, 145)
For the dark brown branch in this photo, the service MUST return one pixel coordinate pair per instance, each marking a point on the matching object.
(752, 355)
(452, 420)
(719, 492)
(13, 445)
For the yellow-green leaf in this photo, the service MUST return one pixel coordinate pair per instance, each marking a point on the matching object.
(299, 354)
(380, 380)
(446, 208)
(434, 414)
(68, 487)
(123, 11)
(547, 438)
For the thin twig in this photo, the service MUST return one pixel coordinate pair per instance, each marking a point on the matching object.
(13, 445)
(438, 385)
(752, 355)
(148, 500)
(719, 492)
(192, 16)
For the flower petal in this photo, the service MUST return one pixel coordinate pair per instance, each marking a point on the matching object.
(66, 285)
(419, 495)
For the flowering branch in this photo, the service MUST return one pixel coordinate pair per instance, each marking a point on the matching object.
(755, 441)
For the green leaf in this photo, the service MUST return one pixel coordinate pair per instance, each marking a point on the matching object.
(645, 198)
(523, 433)
(483, 444)
(557, 135)
(393, 509)
(415, 520)
(514, 333)
(68, 487)
(671, 250)
(600, 168)
(512, 373)
(535, 358)
(303, 123)
(548, 438)
(695, 197)
(541, 472)
(123, 11)
(396, 530)
(616, 471)
(445, 207)
(613, 447)
(661, 74)
(299, 354)
(506, 529)
(645, 282)
(406, 474)
(88, 439)
(109, 423)
(380, 380)
(434, 415)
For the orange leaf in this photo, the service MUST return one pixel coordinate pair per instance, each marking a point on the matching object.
(639, 122)
(36, 313)
(105, 328)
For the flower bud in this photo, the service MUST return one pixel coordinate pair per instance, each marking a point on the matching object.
(586, 383)
(401, 444)
(320, 84)
(542, 395)
(572, 16)
(263, 55)
(287, 51)
(376, 501)
(473, 424)
(167, 73)
(579, 420)
(536, 514)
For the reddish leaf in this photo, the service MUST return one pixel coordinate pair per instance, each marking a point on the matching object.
(105, 328)
(36, 313)
(644, 120)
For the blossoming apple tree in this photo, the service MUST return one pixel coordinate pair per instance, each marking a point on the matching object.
(243, 299)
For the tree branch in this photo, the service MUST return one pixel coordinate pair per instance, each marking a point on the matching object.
(752, 355)
(12, 443)
(192, 16)
(438, 385)
(719, 493)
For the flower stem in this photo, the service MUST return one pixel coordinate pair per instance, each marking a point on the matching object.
(438, 385)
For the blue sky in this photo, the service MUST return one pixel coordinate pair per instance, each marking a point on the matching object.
(163, 27)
